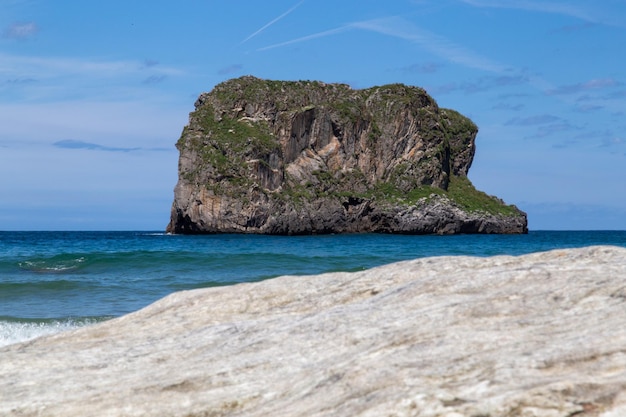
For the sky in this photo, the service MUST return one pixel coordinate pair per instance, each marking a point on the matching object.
(94, 95)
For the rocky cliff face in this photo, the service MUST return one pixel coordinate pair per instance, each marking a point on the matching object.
(305, 157)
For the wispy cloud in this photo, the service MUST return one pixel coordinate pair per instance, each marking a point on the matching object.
(126, 123)
(308, 37)
(613, 142)
(575, 28)
(565, 144)
(508, 106)
(539, 6)
(21, 31)
(20, 81)
(69, 77)
(270, 23)
(149, 63)
(424, 68)
(483, 84)
(605, 12)
(544, 125)
(46, 67)
(588, 107)
(620, 94)
(230, 69)
(401, 28)
(554, 128)
(596, 84)
(533, 120)
(74, 66)
(79, 144)
(603, 139)
(154, 79)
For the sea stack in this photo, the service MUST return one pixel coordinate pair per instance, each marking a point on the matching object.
(306, 157)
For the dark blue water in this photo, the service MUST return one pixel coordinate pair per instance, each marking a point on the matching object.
(55, 280)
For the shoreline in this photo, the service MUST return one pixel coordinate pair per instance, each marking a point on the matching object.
(459, 334)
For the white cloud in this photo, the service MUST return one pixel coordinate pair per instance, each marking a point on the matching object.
(79, 144)
(401, 28)
(37, 79)
(47, 67)
(595, 84)
(154, 79)
(230, 69)
(21, 31)
(605, 12)
(541, 6)
(438, 45)
(112, 124)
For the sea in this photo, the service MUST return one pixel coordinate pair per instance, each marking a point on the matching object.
(55, 281)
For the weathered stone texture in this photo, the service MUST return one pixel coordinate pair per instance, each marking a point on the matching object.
(540, 335)
(281, 157)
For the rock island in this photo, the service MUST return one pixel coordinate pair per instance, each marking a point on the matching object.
(306, 157)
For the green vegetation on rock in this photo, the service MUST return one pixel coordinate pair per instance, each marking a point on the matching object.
(460, 191)
(463, 193)
(237, 134)
(291, 152)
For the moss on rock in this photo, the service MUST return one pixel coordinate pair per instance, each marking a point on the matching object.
(305, 151)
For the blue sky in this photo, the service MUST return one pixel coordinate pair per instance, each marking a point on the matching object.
(94, 95)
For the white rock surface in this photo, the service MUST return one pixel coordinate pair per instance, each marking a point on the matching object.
(542, 335)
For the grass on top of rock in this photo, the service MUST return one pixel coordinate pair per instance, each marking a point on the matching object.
(225, 143)
(285, 94)
(463, 193)
(236, 133)
(385, 191)
(460, 190)
(456, 123)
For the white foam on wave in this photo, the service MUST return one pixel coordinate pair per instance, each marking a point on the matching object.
(48, 266)
(16, 332)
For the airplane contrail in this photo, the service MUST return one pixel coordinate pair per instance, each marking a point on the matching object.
(309, 37)
(272, 22)
(401, 28)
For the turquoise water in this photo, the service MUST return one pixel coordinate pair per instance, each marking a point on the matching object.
(51, 281)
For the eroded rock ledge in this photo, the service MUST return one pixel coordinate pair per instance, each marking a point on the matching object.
(540, 335)
(303, 157)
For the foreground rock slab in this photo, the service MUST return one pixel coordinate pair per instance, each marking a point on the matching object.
(539, 335)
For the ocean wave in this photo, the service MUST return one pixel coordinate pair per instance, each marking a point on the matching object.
(53, 265)
(19, 330)
(18, 288)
